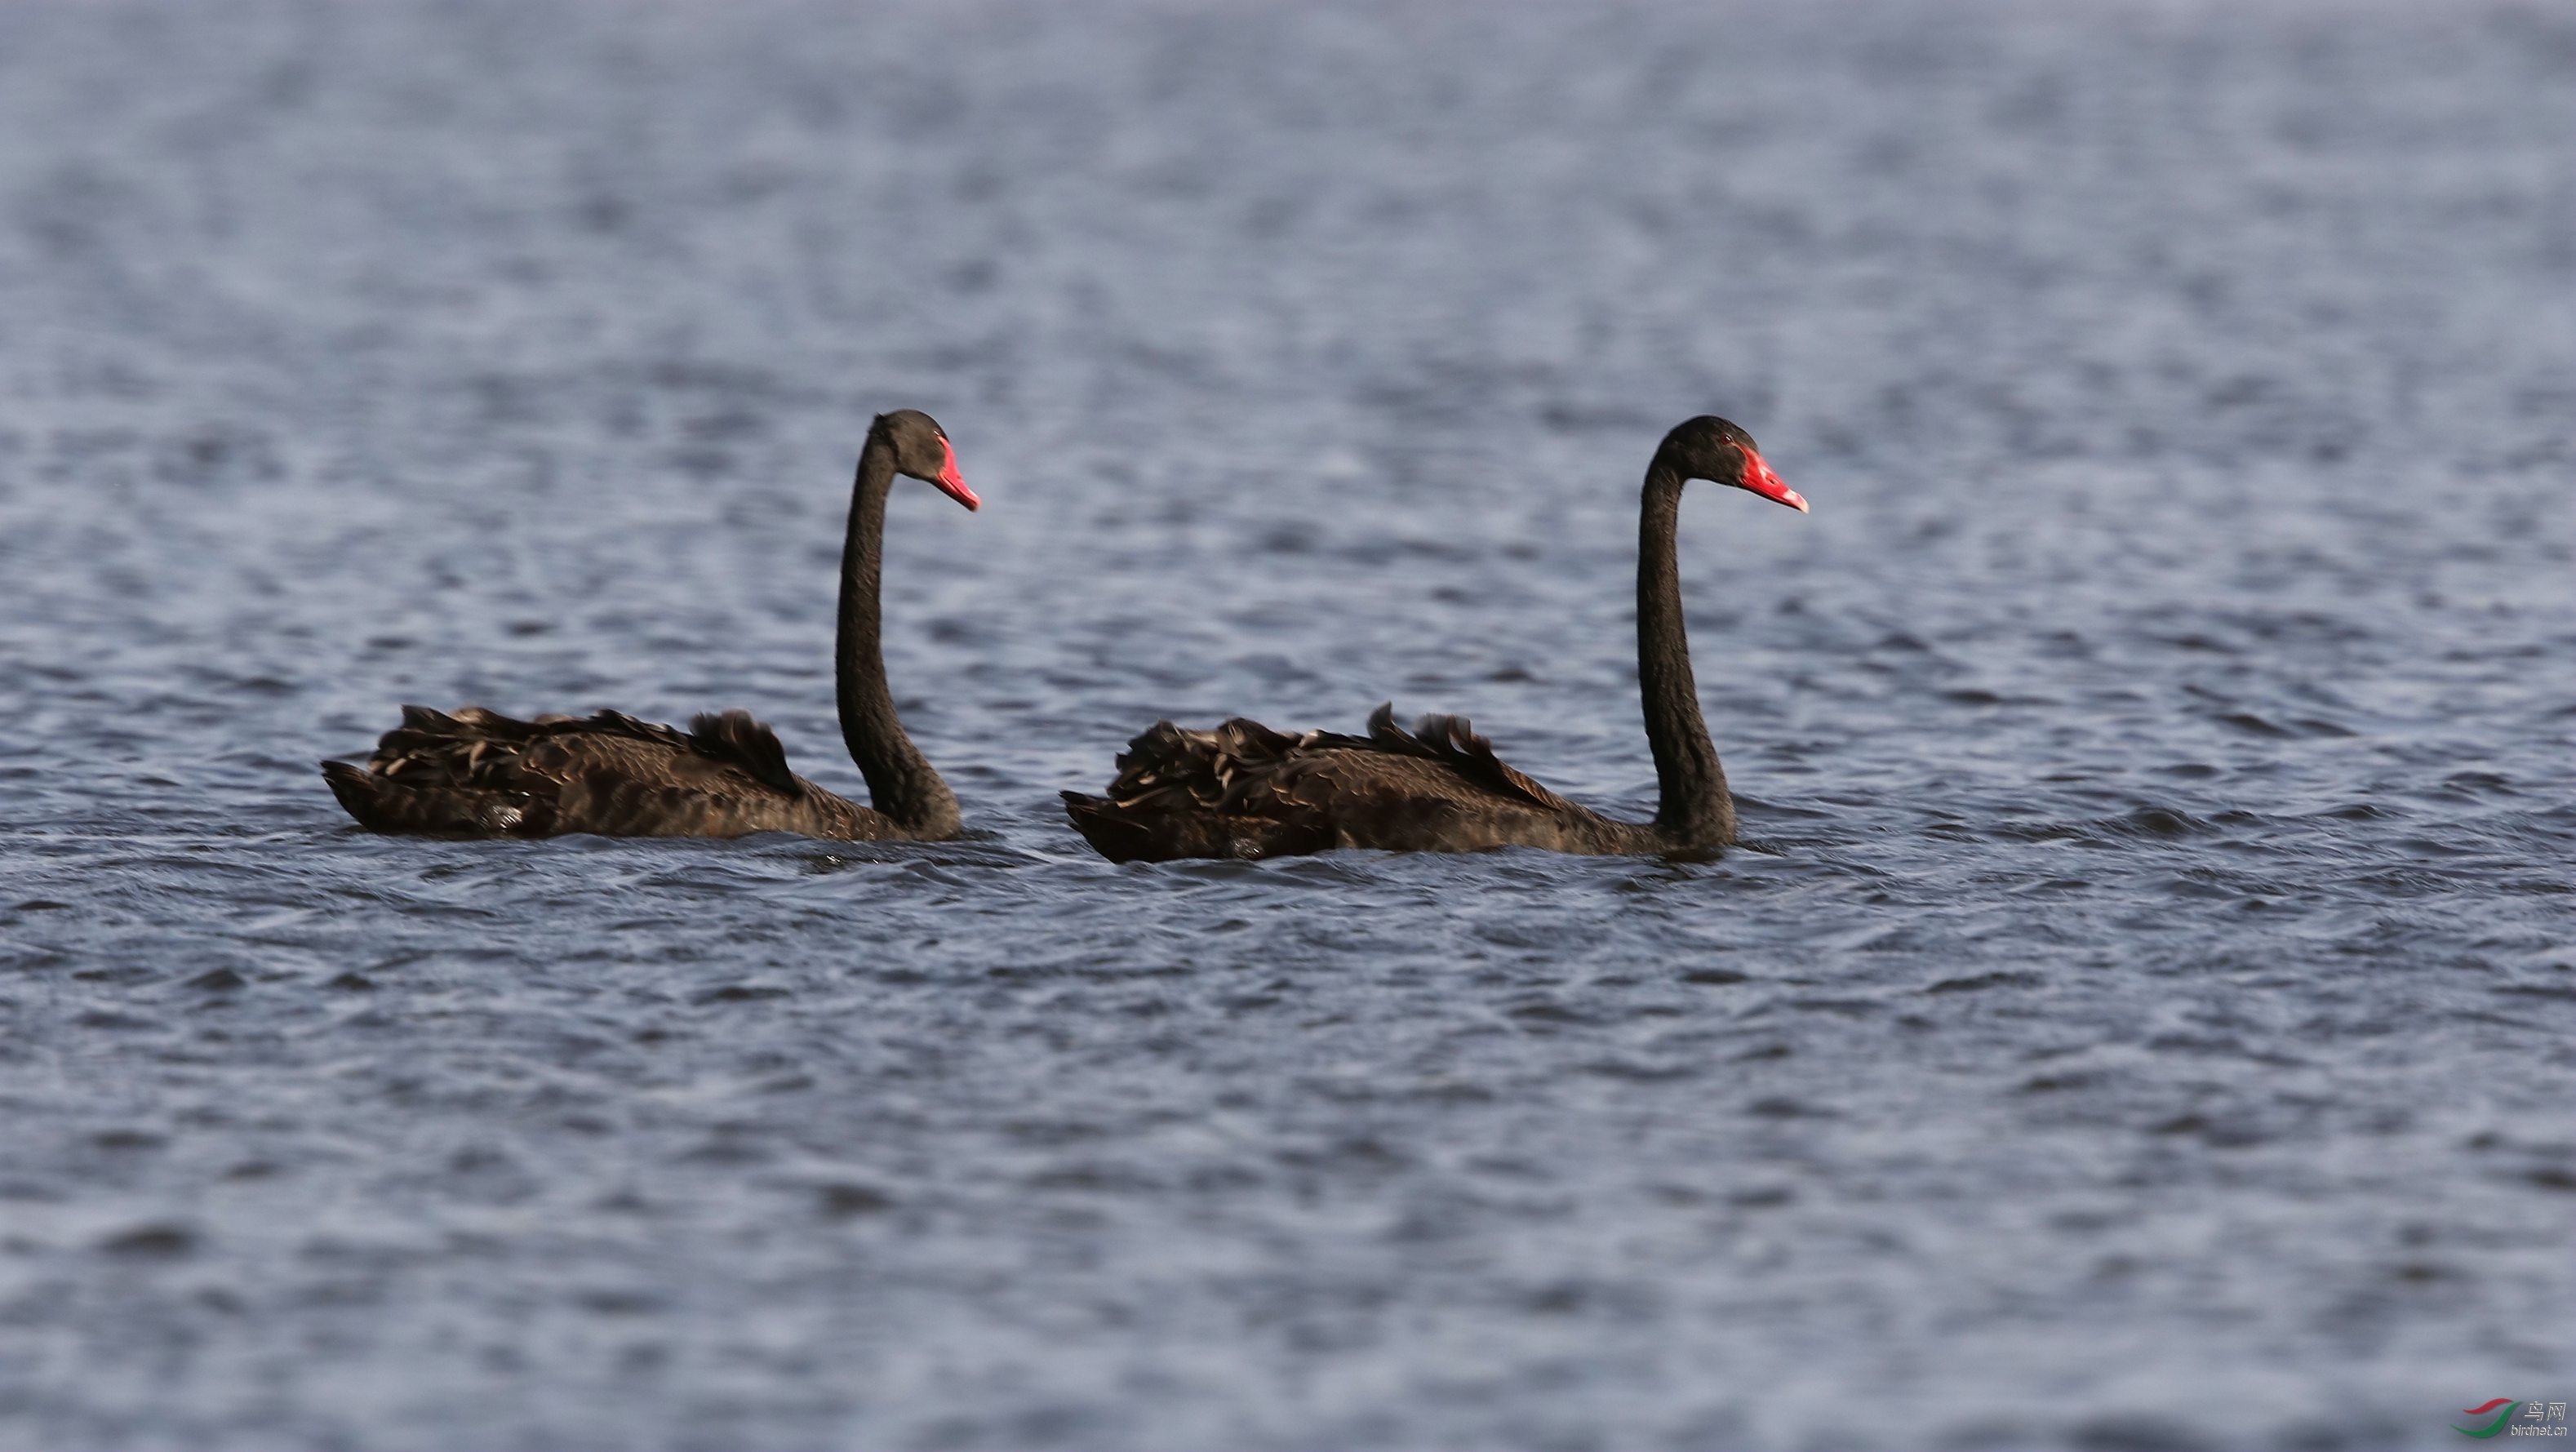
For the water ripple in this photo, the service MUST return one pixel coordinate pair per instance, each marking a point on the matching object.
(2133, 1018)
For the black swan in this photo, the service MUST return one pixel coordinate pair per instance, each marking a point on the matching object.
(1244, 790)
(481, 774)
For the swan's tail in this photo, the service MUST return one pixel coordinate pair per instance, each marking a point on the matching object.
(1111, 832)
(381, 804)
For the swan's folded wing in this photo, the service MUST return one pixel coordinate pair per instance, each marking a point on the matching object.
(473, 748)
(1242, 764)
(735, 737)
(1453, 742)
(1212, 769)
(476, 770)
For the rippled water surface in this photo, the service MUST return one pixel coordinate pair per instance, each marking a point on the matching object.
(2142, 1019)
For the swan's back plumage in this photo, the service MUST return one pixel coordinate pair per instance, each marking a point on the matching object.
(478, 773)
(1245, 790)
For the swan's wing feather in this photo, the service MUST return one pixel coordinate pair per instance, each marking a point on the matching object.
(1241, 762)
(1208, 767)
(735, 737)
(478, 772)
(1213, 793)
(1244, 790)
(1452, 741)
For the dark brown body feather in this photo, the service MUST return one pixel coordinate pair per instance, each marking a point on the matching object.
(478, 773)
(1244, 790)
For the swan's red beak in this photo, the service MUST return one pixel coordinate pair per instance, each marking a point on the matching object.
(1759, 478)
(954, 483)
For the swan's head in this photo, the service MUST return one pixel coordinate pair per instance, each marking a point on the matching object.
(1713, 449)
(921, 450)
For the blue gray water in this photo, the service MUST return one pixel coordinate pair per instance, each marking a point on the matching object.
(2142, 1019)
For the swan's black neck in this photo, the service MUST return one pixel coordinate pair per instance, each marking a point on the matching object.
(1696, 810)
(901, 782)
